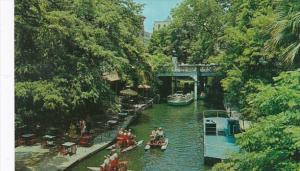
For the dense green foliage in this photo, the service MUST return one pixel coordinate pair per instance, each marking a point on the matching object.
(273, 143)
(254, 48)
(259, 43)
(256, 43)
(62, 49)
(192, 33)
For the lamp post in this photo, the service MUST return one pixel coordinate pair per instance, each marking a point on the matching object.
(174, 60)
(175, 68)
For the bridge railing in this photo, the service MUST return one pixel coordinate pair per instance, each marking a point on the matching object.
(196, 68)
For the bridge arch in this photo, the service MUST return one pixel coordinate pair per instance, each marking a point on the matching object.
(193, 71)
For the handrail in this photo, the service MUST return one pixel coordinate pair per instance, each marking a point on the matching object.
(214, 111)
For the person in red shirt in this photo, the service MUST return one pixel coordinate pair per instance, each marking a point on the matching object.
(114, 162)
(120, 137)
(131, 138)
(126, 139)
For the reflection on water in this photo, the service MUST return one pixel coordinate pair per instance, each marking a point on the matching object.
(183, 127)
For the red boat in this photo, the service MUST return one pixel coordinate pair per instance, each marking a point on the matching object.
(158, 144)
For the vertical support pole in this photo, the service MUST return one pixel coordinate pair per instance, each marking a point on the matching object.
(175, 84)
(172, 85)
(196, 88)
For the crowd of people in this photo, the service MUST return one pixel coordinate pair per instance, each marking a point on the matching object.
(125, 138)
(157, 136)
(111, 162)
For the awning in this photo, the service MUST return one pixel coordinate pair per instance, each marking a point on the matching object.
(144, 86)
(128, 92)
(111, 76)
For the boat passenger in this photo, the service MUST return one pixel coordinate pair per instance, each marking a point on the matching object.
(106, 163)
(102, 167)
(118, 149)
(129, 134)
(120, 132)
(131, 138)
(156, 134)
(153, 134)
(126, 139)
(160, 133)
(120, 137)
(116, 155)
(116, 160)
(113, 163)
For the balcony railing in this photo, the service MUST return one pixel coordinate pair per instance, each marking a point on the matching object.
(196, 68)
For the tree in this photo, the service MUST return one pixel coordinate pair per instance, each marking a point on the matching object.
(62, 49)
(273, 143)
(286, 31)
(283, 96)
(242, 47)
(192, 33)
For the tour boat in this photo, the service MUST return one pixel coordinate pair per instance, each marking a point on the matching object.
(122, 165)
(127, 148)
(98, 168)
(162, 146)
(133, 146)
(179, 99)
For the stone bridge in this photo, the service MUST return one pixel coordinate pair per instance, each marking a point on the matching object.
(192, 70)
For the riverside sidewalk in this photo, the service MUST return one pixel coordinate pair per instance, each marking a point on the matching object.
(37, 159)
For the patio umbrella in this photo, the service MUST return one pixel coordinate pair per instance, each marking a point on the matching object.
(128, 92)
(144, 86)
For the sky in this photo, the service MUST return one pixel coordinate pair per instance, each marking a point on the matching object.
(156, 10)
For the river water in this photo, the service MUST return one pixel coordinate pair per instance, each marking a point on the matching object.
(182, 125)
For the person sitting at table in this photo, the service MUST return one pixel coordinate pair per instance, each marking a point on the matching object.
(83, 131)
(80, 126)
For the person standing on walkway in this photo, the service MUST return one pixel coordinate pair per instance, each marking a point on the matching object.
(82, 127)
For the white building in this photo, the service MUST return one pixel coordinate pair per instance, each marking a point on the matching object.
(161, 24)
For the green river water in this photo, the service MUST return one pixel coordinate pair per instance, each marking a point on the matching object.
(182, 125)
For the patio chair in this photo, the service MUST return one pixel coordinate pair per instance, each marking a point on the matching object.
(20, 141)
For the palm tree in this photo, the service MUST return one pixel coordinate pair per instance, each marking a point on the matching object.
(286, 33)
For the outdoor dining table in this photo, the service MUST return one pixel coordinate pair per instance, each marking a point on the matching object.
(48, 140)
(112, 122)
(69, 147)
(123, 114)
(28, 138)
(27, 135)
(115, 118)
